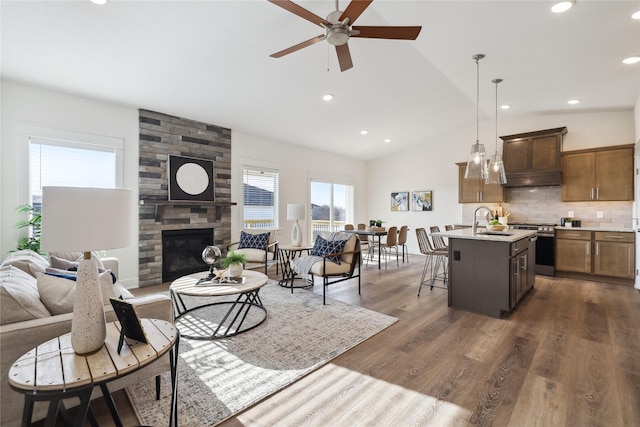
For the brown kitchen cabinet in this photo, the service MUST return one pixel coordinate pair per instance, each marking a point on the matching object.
(533, 158)
(596, 254)
(573, 251)
(603, 174)
(476, 190)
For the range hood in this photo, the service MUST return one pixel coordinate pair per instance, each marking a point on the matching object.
(533, 159)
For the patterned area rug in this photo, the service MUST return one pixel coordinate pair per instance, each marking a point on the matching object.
(220, 378)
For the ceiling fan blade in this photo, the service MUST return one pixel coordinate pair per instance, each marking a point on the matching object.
(298, 46)
(344, 57)
(301, 12)
(354, 10)
(398, 33)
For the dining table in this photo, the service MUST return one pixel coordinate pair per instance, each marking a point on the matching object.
(373, 233)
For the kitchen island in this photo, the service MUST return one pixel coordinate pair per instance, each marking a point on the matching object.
(489, 272)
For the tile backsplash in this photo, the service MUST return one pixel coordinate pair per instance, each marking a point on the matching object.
(545, 205)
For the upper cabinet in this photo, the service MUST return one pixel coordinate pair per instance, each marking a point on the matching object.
(476, 190)
(533, 159)
(603, 174)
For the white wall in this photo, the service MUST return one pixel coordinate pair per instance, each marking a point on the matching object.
(431, 165)
(295, 164)
(24, 106)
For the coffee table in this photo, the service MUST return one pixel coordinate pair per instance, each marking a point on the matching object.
(209, 311)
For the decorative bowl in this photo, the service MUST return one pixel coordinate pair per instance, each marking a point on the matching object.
(497, 227)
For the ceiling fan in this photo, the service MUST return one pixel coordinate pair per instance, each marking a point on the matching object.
(338, 29)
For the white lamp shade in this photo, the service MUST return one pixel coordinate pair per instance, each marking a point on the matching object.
(78, 219)
(295, 212)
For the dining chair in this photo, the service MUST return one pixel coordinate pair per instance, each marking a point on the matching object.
(435, 258)
(448, 227)
(364, 242)
(349, 227)
(402, 241)
(390, 243)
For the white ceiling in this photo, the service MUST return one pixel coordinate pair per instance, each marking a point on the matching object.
(209, 61)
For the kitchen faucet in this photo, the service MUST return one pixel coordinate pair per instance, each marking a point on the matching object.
(475, 223)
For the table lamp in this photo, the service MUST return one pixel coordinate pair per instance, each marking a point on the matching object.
(86, 219)
(296, 212)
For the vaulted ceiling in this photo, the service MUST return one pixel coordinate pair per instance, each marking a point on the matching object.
(209, 61)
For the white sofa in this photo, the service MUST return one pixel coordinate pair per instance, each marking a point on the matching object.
(18, 283)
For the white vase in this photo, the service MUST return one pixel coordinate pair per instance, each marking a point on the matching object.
(235, 270)
(88, 326)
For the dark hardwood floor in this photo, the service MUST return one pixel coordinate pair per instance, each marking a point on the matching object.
(569, 355)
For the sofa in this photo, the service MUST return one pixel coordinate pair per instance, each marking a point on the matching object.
(27, 320)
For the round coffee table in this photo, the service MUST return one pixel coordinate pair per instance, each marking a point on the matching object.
(198, 317)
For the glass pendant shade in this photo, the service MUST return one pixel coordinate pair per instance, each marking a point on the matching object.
(497, 174)
(496, 171)
(477, 163)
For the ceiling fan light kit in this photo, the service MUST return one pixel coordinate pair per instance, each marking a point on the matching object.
(338, 29)
(477, 164)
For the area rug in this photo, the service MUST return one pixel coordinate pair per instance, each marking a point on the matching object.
(218, 379)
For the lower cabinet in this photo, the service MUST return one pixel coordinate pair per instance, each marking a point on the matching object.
(596, 253)
(522, 275)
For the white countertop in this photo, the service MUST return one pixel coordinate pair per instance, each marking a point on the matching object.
(505, 236)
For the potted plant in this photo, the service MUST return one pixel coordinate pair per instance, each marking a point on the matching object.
(379, 222)
(235, 263)
(567, 222)
(32, 241)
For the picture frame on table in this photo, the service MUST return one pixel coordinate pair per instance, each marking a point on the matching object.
(399, 201)
(422, 201)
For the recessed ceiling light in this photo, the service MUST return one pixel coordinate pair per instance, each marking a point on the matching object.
(562, 6)
(327, 96)
(505, 106)
(364, 132)
(573, 101)
(631, 60)
(636, 15)
(99, 1)
(387, 140)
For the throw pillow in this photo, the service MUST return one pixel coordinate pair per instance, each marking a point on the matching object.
(254, 241)
(59, 293)
(26, 260)
(19, 297)
(323, 247)
(67, 260)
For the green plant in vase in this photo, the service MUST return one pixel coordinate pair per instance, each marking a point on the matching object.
(32, 241)
(235, 263)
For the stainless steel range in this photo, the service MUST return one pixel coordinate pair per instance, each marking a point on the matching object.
(545, 246)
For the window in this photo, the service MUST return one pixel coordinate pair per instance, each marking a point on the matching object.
(69, 164)
(331, 206)
(260, 198)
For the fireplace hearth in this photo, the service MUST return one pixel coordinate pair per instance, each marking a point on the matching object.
(182, 251)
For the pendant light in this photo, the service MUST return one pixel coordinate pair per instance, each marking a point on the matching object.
(496, 166)
(477, 164)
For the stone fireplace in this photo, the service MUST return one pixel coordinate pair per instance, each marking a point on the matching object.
(182, 251)
(162, 135)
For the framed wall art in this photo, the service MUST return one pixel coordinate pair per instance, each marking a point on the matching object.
(421, 200)
(400, 201)
(190, 179)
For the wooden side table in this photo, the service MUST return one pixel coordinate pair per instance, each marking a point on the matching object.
(286, 253)
(54, 372)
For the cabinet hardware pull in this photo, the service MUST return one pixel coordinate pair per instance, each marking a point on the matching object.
(588, 248)
(572, 235)
(525, 262)
(591, 193)
(597, 248)
(517, 268)
(614, 237)
(597, 193)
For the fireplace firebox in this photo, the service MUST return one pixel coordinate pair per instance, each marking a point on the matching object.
(182, 251)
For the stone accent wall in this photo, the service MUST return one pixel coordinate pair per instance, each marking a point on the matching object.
(160, 136)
